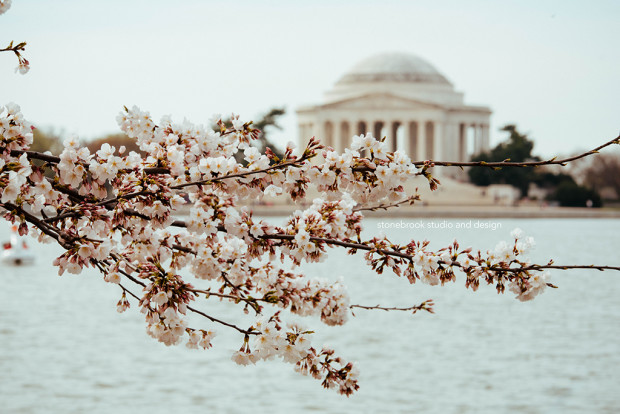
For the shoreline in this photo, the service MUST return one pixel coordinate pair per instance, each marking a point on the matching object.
(461, 212)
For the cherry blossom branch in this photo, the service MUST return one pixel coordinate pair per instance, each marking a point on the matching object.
(559, 267)
(40, 224)
(294, 163)
(409, 200)
(47, 230)
(230, 325)
(426, 305)
(24, 65)
(36, 155)
(136, 297)
(211, 318)
(507, 163)
(395, 253)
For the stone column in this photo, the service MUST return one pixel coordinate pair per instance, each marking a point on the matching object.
(456, 140)
(361, 127)
(421, 156)
(430, 140)
(439, 151)
(376, 131)
(451, 142)
(412, 140)
(463, 156)
(345, 136)
(337, 140)
(477, 138)
(393, 144)
(328, 134)
(485, 138)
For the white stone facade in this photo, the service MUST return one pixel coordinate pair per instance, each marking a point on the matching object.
(405, 99)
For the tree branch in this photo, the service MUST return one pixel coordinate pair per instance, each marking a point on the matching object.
(500, 164)
(426, 305)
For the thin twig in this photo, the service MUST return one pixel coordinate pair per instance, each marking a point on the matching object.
(426, 305)
(230, 325)
(500, 164)
(409, 200)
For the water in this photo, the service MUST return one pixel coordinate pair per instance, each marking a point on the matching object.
(65, 349)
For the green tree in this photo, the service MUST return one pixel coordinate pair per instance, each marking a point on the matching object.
(265, 124)
(550, 180)
(571, 194)
(517, 148)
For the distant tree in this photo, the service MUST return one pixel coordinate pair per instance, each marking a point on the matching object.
(571, 194)
(517, 148)
(548, 179)
(265, 124)
(604, 173)
(47, 140)
(116, 140)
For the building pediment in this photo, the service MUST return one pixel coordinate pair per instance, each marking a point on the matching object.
(381, 101)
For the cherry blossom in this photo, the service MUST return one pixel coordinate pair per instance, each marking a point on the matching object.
(120, 212)
(4, 6)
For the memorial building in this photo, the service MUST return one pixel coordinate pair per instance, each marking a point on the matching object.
(404, 98)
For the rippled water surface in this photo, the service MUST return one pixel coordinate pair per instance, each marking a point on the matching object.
(65, 349)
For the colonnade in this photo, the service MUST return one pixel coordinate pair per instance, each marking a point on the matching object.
(421, 140)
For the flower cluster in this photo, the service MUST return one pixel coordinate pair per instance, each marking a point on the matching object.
(504, 264)
(293, 346)
(23, 65)
(119, 212)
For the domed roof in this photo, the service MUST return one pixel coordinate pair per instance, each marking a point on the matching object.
(393, 67)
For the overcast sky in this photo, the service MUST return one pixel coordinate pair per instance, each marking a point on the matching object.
(551, 67)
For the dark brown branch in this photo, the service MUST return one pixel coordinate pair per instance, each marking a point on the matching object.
(500, 164)
(410, 257)
(35, 155)
(561, 267)
(45, 228)
(217, 294)
(293, 163)
(409, 200)
(130, 292)
(230, 325)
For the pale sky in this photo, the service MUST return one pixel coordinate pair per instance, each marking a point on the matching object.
(551, 67)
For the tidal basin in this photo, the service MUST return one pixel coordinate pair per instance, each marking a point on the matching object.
(65, 349)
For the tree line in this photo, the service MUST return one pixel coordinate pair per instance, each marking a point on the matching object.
(599, 174)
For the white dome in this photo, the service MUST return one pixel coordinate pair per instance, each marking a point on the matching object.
(398, 74)
(393, 67)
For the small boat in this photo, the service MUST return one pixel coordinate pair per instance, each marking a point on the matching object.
(16, 252)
